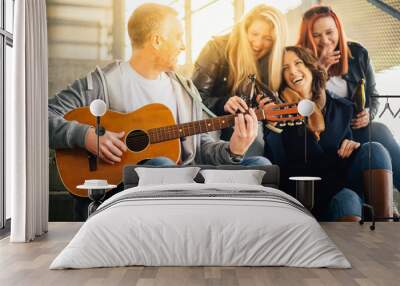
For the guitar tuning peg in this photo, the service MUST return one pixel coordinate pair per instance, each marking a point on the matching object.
(290, 123)
(298, 122)
(282, 124)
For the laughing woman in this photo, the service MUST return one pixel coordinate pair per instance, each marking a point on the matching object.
(347, 63)
(332, 152)
(254, 46)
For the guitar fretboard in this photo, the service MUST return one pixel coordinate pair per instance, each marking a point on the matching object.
(202, 126)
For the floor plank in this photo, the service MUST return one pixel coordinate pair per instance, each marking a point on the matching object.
(374, 255)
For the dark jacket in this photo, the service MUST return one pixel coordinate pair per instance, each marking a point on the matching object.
(210, 76)
(322, 158)
(360, 67)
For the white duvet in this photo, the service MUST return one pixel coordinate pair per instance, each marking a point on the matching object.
(222, 225)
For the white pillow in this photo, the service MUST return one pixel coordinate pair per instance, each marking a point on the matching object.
(166, 176)
(249, 177)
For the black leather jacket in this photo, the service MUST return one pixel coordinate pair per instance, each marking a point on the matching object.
(360, 67)
(210, 76)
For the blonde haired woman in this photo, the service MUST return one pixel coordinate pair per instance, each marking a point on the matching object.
(254, 46)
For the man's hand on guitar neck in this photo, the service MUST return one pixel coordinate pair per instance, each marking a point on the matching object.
(111, 146)
(245, 131)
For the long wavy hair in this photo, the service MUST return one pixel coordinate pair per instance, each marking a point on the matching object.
(306, 39)
(311, 62)
(241, 60)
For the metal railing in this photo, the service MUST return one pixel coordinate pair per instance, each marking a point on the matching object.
(386, 8)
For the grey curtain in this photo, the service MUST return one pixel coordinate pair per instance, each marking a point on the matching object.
(26, 124)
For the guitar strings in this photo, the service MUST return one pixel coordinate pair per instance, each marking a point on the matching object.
(175, 131)
(172, 130)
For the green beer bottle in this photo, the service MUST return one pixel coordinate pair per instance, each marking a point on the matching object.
(359, 96)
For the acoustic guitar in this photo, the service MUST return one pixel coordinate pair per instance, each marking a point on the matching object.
(150, 132)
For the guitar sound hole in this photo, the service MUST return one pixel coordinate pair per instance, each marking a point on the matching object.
(137, 140)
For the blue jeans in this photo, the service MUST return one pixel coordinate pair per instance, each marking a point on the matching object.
(381, 133)
(255, 161)
(158, 161)
(247, 161)
(349, 200)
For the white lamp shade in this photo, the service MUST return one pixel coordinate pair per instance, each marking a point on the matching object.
(305, 107)
(98, 107)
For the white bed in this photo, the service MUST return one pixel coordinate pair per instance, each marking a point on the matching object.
(201, 224)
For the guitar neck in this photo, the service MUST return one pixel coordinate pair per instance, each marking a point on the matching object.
(171, 132)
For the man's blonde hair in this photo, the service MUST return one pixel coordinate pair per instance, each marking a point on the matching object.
(145, 20)
(242, 62)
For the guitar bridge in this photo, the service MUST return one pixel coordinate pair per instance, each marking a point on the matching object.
(92, 161)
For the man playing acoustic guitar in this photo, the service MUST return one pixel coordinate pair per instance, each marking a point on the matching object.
(148, 77)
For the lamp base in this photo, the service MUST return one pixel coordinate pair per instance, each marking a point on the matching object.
(305, 190)
(96, 195)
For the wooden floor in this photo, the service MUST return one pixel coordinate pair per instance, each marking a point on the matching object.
(374, 255)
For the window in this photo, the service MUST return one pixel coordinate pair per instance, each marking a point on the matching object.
(283, 6)
(222, 14)
(6, 44)
(9, 12)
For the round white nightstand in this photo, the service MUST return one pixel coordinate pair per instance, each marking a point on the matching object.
(305, 190)
(96, 191)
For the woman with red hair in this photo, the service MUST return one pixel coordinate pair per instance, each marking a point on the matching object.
(347, 64)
